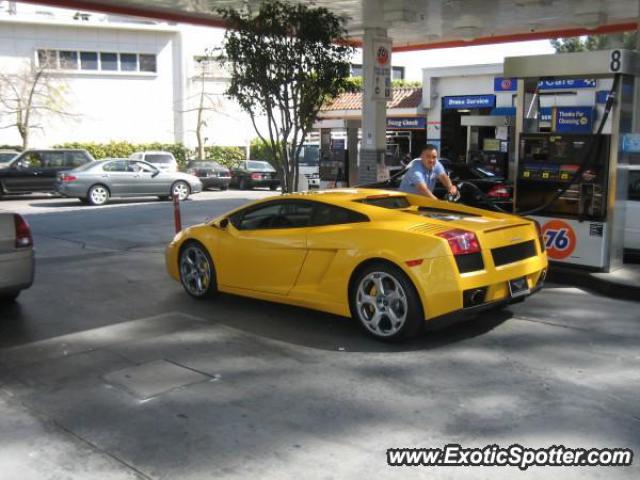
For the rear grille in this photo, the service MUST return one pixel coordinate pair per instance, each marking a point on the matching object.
(469, 262)
(513, 253)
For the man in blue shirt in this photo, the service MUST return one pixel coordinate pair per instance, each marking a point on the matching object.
(423, 172)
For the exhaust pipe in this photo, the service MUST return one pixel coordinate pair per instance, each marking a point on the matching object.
(474, 297)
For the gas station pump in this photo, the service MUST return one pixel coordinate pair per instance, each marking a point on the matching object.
(570, 179)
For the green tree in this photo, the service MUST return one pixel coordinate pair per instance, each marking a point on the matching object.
(285, 61)
(595, 42)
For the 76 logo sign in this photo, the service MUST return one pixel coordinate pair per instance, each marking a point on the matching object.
(559, 238)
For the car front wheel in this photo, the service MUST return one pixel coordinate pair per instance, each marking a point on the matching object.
(197, 272)
(181, 190)
(385, 303)
(98, 195)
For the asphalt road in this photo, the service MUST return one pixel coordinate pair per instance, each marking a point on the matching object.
(109, 370)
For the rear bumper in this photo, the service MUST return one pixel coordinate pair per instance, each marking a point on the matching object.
(17, 270)
(264, 183)
(468, 313)
(441, 287)
(215, 182)
(70, 190)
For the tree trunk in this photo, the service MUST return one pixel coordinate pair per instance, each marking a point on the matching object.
(24, 134)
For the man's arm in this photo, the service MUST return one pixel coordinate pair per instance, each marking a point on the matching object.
(446, 181)
(424, 190)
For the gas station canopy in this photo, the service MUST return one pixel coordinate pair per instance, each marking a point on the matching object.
(416, 24)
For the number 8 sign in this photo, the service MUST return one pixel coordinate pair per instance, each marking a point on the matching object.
(559, 238)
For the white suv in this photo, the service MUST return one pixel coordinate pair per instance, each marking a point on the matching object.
(164, 161)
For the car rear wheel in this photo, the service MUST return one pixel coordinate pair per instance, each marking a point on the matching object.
(98, 195)
(273, 187)
(181, 190)
(9, 297)
(197, 272)
(385, 303)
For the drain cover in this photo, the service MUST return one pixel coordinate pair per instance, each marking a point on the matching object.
(153, 378)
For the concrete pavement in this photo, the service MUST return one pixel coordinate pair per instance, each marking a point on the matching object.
(108, 369)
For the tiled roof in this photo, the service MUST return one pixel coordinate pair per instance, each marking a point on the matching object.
(402, 98)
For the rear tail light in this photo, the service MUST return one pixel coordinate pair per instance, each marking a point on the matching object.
(499, 191)
(540, 236)
(66, 178)
(23, 232)
(460, 241)
(256, 176)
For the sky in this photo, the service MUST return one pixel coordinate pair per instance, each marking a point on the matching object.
(414, 62)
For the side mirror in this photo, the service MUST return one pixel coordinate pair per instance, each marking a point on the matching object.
(224, 223)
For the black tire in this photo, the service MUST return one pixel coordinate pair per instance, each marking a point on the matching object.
(9, 297)
(185, 188)
(223, 188)
(273, 187)
(408, 302)
(193, 249)
(98, 195)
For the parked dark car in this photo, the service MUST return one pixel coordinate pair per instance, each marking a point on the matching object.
(254, 173)
(37, 170)
(210, 173)
(479, 187)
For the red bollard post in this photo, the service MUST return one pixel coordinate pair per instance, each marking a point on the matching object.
(176, 213)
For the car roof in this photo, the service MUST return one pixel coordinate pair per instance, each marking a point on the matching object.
(154, 151)
(341, 195)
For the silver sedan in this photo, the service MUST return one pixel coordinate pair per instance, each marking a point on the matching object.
(17, 264)
(96, 182)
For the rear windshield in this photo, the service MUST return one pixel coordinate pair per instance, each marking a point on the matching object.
(256, 165)
(6, 157)
(395, 203)
(158, 158)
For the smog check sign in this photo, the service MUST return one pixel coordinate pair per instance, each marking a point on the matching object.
(559, 239)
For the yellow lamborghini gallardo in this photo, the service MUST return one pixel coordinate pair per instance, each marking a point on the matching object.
(394, 262)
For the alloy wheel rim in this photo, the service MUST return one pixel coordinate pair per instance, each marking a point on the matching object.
(181, 190)
(382, 304)
(99, 195)
(195, 271)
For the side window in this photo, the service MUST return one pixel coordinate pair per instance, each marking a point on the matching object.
(116, 166)
(31, 160)
(294, 215)
(331, 215)
(75, 159)
(53, 159)
(259, 218)
(140, 167)
(634, 185)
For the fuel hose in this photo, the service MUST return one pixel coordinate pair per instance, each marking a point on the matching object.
(596, 141)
